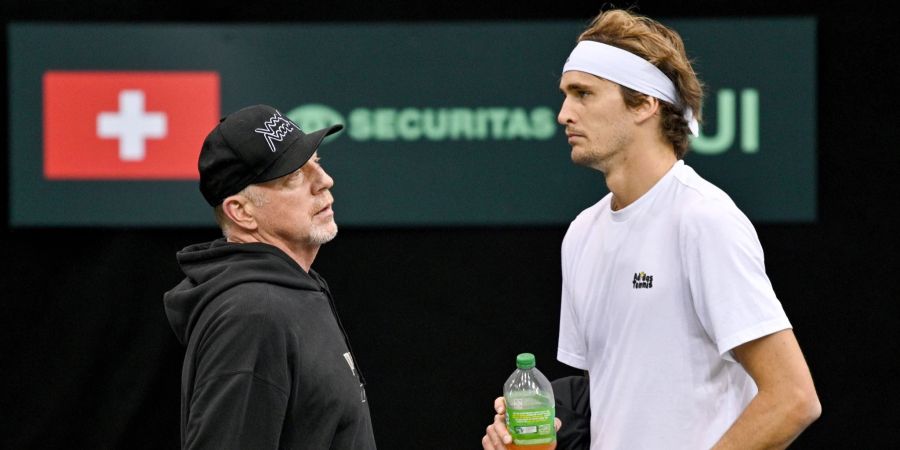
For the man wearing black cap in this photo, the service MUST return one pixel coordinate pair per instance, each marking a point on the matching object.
(268, 364)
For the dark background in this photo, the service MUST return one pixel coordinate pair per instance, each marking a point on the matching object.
(436, 316)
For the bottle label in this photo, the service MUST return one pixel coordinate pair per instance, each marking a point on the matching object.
(530, 420)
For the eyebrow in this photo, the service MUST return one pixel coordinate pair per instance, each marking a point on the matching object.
(299, 172)
(295, 174)
(575, 86)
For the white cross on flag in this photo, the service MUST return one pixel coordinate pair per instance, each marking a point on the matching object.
(131, 125)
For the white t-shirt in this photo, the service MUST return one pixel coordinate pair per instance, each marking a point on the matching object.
(654, 298)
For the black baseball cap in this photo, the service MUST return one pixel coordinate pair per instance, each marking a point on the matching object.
(253, 145)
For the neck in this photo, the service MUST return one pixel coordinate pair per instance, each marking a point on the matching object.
(303, 255)
(637, 171)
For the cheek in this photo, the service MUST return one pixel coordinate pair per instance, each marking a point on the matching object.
(301, 205)
(603, 123)
(296, 211)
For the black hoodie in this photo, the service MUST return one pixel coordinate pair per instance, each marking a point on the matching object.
(267, 364)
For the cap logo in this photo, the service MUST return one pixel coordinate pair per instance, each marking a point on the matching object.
(276, 128)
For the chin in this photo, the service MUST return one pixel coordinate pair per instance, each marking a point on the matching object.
(580, 158)
(324, 234)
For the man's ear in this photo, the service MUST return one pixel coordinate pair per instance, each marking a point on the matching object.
(646, 110)
(239, 210)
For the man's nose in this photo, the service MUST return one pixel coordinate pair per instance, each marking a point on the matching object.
(324, 180)
(565, 114)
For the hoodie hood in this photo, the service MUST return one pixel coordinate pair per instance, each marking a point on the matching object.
(214, 267)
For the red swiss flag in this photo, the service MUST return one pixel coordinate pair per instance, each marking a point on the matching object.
(127, 125)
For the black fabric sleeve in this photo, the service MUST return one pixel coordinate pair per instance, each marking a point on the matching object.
(236, 411)
(243, 383)
(573, 408)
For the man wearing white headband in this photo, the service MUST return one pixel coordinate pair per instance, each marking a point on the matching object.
(665, 300)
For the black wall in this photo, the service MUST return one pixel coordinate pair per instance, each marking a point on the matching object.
(437, 315)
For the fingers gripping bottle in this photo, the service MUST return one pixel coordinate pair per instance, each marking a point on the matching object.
(530, 408)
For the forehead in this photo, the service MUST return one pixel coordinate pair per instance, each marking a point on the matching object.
(575, 78)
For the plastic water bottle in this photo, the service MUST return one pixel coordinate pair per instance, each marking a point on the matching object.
(530, 408)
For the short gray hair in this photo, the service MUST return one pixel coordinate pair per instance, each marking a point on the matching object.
(252, 193)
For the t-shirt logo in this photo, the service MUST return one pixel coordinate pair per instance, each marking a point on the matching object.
(642, 281)
(127, 125)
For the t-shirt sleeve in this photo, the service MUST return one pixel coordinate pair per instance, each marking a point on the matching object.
(732, 294)
(571, 349)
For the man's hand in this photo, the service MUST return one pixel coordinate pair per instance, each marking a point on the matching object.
(497, 436)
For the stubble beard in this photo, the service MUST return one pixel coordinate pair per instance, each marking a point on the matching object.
(599, 157)
(321, 234)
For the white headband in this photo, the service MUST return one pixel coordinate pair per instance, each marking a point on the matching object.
(629, 70)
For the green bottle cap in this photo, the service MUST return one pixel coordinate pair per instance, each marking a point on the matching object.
(525, 361)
